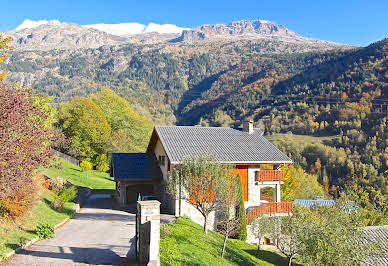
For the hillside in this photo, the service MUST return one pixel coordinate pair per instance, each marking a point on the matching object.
(184, 243)
(157, 79)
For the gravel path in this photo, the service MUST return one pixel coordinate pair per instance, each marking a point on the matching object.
(99, 235)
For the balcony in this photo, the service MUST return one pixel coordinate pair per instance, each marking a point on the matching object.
(270, 208)
(269, 176)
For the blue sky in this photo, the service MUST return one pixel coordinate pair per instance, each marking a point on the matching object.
(352, 22)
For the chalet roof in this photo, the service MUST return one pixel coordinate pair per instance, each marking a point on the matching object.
(309, 203)
(135, 167)
(227, 144)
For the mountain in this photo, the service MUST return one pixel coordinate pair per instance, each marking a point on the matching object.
(238, 29)
(47, 35)
(123, 29)
(60, 36)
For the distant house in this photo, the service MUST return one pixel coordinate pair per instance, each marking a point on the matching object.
(309, 203)
(244, 148)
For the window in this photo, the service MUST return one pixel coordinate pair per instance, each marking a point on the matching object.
(256, 176)
(162, 160)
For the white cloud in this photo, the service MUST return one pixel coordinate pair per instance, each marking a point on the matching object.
(120, 29)
(28, 24)
(164, 28)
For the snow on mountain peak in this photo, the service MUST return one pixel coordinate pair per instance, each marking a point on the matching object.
(135, 28)
(28, 24)
(164, 28)
(120, 29)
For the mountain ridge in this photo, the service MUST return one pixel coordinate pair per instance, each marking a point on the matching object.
(47, 35)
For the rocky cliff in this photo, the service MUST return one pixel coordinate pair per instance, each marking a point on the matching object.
(48, 36)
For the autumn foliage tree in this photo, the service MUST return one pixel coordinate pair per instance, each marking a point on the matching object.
(25, 141)
(84, 123)
(4, 46)
(202, 181)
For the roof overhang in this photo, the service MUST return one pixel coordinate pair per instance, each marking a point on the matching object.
(246, 162)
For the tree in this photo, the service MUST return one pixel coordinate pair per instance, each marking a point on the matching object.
(130, 131)
(229, 217)
(261, 226)
(283, 230)
(84, 123)
(242, 232)
(25, 145)
(101, 163)
(286, 236)
(86, 166)
(4, 45)
(201, 181)
(331, 235)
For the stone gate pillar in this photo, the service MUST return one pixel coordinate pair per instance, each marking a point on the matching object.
(149, 232)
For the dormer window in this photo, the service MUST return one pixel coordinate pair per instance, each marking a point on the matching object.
(162, 160)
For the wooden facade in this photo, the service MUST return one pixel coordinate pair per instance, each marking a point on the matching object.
(242, 171)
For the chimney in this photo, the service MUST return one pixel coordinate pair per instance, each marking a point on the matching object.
(248, 126)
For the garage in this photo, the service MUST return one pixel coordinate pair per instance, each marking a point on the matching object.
(134, 174)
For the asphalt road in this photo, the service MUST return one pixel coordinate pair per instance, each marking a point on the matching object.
(99, 235)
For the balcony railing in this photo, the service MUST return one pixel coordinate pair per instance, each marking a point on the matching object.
(269, 175)
(270, 208)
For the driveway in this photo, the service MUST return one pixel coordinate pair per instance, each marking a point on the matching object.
(99, 234)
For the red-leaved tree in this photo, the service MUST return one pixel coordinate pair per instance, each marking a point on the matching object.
(25, 141)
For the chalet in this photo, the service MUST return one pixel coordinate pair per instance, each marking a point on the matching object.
(256, 160)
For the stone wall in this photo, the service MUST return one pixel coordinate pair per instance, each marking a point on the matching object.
(191, 212)
(253, 190)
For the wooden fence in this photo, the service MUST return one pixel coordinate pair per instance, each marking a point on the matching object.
(65, 157)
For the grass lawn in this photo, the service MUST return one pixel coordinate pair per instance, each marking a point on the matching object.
(14, 233)
(305, 138)
(184, 243)
(94, 180)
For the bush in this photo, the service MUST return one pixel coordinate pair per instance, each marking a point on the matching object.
(102, 163)
(86, 165)
(57, 183)
(63, 196)
(16, 203)
(45, 230)
(242, 232)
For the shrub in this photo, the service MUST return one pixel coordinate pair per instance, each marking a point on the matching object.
(102, 163)
(45, 230)
(17, 202)
(57, 183)
(86, 165)
(63, 196)
(242, 233)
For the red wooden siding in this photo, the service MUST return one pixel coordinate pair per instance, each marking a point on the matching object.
(242, 171)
